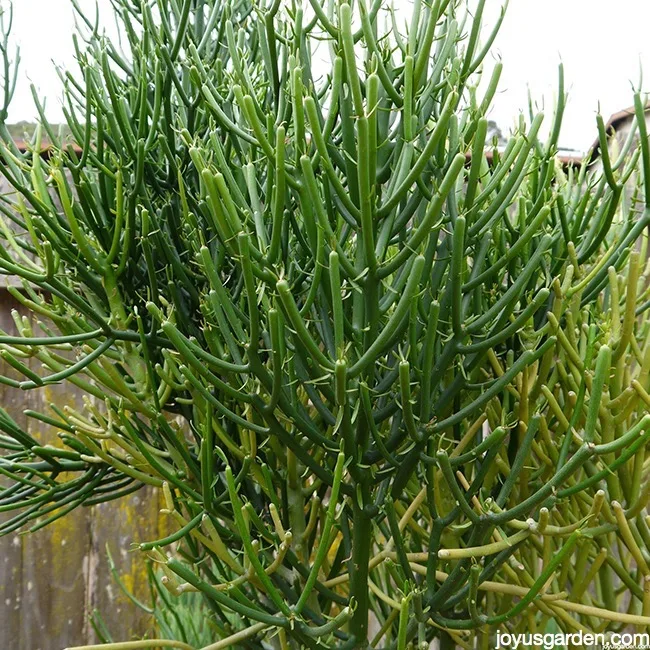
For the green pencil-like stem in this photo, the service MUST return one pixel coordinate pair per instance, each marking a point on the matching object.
(355, 337)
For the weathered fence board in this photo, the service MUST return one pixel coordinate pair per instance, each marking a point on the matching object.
(51, 581)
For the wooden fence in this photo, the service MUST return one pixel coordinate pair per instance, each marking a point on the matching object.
(53, 580)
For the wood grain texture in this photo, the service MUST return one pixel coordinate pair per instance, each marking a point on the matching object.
(51, 581)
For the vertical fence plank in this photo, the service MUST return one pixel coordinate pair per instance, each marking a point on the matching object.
(55, 560)
(11, 560)
(53, 580)
(54, 584)
(120, 526)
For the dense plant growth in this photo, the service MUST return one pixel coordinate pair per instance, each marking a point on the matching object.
(391, 380)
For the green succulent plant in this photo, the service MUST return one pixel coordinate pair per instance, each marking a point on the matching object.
(392, 383)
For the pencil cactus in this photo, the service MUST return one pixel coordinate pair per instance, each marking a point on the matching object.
(392, 387)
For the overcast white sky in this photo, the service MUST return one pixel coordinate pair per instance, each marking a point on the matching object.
(603, 45)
